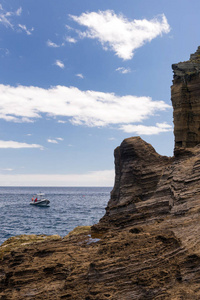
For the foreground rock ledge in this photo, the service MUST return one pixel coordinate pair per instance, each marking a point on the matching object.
(147, 246)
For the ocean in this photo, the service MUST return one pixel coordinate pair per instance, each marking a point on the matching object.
(69, 207)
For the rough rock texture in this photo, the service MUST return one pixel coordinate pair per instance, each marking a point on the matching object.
(185, 93)
(139, 170)
(147, 246)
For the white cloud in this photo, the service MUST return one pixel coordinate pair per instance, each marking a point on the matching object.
(147, 130)
(19, 11)
(55, 141)
(7, 169)
(70, 39)
(7, 16)
(69, 27)
(52, 44)
(59, 63)
(17, 145)
(80, 75)
(123, 70)
(90, 108)
(5, 19)
(14, 119)
(28, 31)
(117, 33)
(62, 122)
(52, 141)
(95, 178)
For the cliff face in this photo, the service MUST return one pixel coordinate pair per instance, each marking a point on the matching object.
(150, 188)
(147, 246)
(185, 93)
(140, 191)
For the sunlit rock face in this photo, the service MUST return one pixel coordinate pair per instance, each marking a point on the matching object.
(185, 95)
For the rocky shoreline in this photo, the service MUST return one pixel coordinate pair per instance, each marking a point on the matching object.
(147, 245)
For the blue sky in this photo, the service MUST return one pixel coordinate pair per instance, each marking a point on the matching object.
(77, 77)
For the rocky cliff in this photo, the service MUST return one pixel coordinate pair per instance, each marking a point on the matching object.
(147, 246)
(185, 93)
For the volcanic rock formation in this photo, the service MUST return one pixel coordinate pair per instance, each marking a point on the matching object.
(147, 245)
(185, 93)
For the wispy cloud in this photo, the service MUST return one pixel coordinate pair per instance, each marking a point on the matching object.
(147, 130)
(55, 141)
(95, 178)
(19, 11)
(7, 169)
(62, 122)
(117, 33)
(52, 44)
(7, 19)
(59, 63)
(28, 31)
(6, 16)
(66, 39)
(69, 27)
(70, 39)
(123, 70)
(52, 141)
(80, 75)
(88, 108)
(18, 145)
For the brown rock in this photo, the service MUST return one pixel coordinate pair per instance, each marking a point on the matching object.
(185, 94)
(139, 169)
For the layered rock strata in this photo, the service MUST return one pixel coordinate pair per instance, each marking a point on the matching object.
(147, 246)
(185, 93)
(138, 193)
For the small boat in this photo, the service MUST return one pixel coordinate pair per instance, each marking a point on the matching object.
(39, 200)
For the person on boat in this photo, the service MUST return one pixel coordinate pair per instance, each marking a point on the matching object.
(36, 199)
(32, 199)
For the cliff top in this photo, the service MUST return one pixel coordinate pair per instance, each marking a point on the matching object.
(187, 68)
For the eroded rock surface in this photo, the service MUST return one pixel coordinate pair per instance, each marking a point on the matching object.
(139, 171)
(147, 246)
(185, 93)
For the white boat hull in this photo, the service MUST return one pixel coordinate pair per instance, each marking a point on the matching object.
(43, 202)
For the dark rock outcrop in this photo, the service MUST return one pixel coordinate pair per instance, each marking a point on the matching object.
(138, 193)
(185, 93)
(147, 246)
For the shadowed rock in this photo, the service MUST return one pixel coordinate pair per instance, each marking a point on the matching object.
(185, 94)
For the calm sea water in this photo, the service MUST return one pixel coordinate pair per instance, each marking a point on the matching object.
(69, 207)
